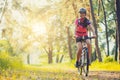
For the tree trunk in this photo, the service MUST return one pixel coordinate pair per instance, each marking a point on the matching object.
(106, 28)
(3, 10)
(116, 38)
(3, 33)
(118, 20)
(116, 44)
(94, 56)
(49, 52)
(28, 59)
(69, 43)
(57, 58)
(61, 58)
(50, 56)
(95, 25)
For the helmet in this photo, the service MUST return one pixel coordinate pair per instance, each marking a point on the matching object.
(82, 10)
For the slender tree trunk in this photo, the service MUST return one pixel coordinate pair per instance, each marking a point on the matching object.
(50, 56)
(69, 43)
(94, 56)
(3, 33)
(118, 20)
(99, 7)
(116, 38)
(57, 58)
(49, 53)
(28, 59)
(116, 44)
(3, 11)
(106, 28)
(61, 58)
(95, 25)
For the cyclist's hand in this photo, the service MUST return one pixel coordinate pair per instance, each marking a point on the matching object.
(74, 36)
(94, 36)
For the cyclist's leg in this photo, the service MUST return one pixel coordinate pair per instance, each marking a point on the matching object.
(89, 47)
(79, 50)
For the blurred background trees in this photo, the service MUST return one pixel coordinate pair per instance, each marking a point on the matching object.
(42, 31)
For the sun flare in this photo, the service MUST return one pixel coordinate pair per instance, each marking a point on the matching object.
(39, 28)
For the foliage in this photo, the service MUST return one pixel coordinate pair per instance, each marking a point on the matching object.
(108, 59)
(4, 62)
(8, 60)
(109, 66)
(5, 47)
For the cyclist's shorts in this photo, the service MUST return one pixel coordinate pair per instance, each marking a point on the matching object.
(79, 39)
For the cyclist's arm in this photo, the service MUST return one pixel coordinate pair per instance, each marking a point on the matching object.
(92, 29)
(75, 30)
(75, 23)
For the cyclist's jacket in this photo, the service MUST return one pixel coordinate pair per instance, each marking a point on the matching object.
(81, 27)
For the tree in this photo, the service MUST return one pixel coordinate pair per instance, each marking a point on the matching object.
(118, 20)
(3, 10)
(69, 43)
(116, 37)
(95, 26)
(106, 28)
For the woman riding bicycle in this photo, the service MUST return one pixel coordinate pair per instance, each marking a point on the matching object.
(82, 24)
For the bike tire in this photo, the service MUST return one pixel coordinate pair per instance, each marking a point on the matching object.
(80, 70)
(86, 66)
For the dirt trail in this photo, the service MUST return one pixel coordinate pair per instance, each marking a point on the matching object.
(102, 75)
(73, 75)
(62, 75)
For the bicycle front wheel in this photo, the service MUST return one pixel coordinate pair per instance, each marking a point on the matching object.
(86, 63)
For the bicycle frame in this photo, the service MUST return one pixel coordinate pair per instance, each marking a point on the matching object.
(83, 52)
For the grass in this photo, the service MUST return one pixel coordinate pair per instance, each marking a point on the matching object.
(61, 71)
(51, 67)
(95, 66)
(41, 72)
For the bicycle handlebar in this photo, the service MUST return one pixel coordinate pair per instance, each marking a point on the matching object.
(91, 37)
(84, 38)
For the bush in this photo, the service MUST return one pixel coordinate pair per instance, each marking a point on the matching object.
(16, 62)
(4, 63)
(108, 59)
(9, 62)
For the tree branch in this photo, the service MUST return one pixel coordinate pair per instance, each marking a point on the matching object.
(45, 50)
(99, 7)
(3, 11)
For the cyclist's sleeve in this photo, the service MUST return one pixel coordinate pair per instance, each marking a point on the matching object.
(76, 22)
(88, 22)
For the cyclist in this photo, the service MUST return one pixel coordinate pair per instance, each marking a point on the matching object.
(81, 30)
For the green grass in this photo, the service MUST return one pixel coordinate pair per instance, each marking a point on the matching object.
(61, 67)
(95, 66)
(61, 71)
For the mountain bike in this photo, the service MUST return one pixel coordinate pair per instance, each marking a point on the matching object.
(84, 60)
